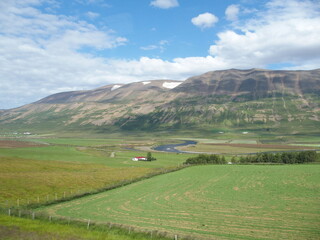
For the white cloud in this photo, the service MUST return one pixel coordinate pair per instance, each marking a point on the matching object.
(92, 15)
(41, 54)
(232, 12)
(149, 47)
(205, 20)
(286, 32)
(161, 46)
(100, 3)
(165, 3)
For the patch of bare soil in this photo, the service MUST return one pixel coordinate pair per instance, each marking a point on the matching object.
(18, 144)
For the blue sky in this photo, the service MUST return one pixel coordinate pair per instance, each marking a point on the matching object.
(50, 46)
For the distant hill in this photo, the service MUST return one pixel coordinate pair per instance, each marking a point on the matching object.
(254, 98)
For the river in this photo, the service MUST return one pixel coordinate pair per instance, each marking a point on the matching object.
(172, 147)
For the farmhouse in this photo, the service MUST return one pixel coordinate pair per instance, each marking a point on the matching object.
(139, 159)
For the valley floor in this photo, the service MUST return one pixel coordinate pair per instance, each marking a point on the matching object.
(220, 202)
(204, 202)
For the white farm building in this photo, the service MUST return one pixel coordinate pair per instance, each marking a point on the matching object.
(139, 159)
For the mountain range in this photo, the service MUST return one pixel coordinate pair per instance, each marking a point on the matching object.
(227, 98)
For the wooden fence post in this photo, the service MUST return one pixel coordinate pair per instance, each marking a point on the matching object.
(88, 225)
(9, 212)
(33, 215)
(175, 237)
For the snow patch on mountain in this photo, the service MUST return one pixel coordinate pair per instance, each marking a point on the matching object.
(145, 83)
(116, 87)
(171, 85)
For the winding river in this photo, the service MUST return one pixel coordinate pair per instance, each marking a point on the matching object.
(172, 147)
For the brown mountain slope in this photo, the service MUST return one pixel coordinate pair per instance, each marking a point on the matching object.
(254, 81)
(229, 98)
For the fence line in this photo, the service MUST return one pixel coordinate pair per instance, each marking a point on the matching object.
(91, 225)
(58, 197)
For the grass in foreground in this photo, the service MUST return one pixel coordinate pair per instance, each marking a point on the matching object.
(15, 228)
(220, 202)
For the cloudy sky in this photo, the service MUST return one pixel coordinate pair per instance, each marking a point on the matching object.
(50, 46)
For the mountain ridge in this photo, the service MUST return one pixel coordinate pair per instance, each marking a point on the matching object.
(231, 98)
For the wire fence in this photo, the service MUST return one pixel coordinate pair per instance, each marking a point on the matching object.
(26, 208)
(88, 224)
(63, 196)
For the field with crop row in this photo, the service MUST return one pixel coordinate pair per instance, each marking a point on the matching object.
(44, 170)
(220, 202)
(25, 181)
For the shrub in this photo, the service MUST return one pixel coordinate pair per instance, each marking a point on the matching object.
(206, 159)
(285, 158)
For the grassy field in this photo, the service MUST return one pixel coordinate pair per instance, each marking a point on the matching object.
(24, 181)
(242, 148)
(214, 202)
(18, 228)
(69, 167)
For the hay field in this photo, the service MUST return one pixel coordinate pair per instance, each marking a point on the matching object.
(33, 172)
(24, 181)
(214, 202)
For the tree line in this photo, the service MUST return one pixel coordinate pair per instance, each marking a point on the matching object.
(284, 158)
(280, 158)
(206, 159)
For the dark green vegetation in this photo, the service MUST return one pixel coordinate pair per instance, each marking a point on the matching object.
(150, 157)
(280, 158)
(206, 159)
(284, 158)
(213, 202)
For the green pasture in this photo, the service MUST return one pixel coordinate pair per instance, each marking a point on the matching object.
(213, 202)
(42, 174)
(79, 141)
(109, 156)
(19, 228)
(234, 149)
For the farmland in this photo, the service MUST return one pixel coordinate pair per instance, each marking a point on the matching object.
(227, 202)
(18, 228)
(25, 181)
(34, 172)
(223, 202)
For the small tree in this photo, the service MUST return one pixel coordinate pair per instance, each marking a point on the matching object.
(150, 158)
